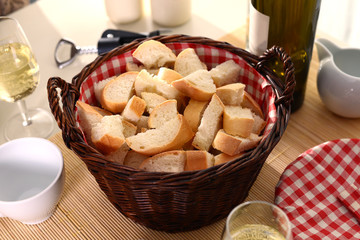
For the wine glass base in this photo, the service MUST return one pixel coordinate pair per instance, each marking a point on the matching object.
(42, 125)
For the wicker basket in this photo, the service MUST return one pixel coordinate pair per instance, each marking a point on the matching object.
(187, 200)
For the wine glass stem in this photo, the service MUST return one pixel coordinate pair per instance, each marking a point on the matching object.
(24, 113)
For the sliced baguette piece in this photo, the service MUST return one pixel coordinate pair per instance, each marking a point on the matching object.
(224, 158)
(238, 121)
(147, 83)
(154, 54)
(198, 160)
(170, 161)
(162, 113)
(102, 111)
(194, 112)
(129, 129)
(133, 67)
(119, 155)
(134, 109)
(88, 118)
(168, 75)
(233, 145)
(211, 122)
(249, 102)
(118, 91)
(142, 124)
(170, 136)
(187, 62)
(231, 94)
(107, 135)
(152, 100)
(197, 85)
(259, 124)
(226, 73)
(134, 159)
(99, 87)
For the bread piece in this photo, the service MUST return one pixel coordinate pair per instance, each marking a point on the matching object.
(238, 121)
(210, 124)
(107, 135)
(119, 155)
(171, 135)
(198, 160)
(171, 161)
(102, 111)
(225, 73)
(129, 129)
(99, 87)
(231, 94)
(168, 75)
(152, 100)
(88, 118)
(134, 159)
(187, 62)
(233, 145)
(154, 54)
(134, 109)
(224, 158)
(147, 83)
(197, 85)
(118, 91)
(194, 112)
(142, 124)
(259, 124)
(162, 113)
(249, 102)
(133, 67)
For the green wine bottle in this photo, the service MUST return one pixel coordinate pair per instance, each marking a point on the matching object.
(290, 24)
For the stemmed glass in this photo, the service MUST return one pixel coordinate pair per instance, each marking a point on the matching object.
(19, 76)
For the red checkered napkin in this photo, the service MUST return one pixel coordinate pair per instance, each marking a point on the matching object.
(319, 191)
(256, 85)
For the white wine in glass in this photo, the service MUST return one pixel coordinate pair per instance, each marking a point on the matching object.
(19, 77)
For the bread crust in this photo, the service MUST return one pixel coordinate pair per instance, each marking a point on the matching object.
(175, 162)
(224, 158)
(145, 54)
(249, 102)
(117, 106)
(193, 113)
(198, 160)
(183, 134)
(233, 145)
(195, 91)
(238, 124)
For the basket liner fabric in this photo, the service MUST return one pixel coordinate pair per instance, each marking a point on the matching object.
(318, 189)
(256, 85)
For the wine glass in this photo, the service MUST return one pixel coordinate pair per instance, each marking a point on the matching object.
(19, 76)
(257, 220)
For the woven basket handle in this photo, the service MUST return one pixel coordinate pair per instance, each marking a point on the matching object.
(284, 91)
(64, 115)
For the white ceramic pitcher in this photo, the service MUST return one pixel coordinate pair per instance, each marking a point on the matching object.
(338, 80)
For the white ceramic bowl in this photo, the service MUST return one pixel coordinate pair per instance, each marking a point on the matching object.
(32, 178)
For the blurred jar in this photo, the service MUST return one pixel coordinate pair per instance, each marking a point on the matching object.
(170, 13)
(123, 11)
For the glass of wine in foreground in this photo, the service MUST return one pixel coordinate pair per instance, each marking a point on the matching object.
(19, 76)
(257, 220)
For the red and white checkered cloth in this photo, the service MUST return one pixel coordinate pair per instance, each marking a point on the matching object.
(256, 85)
(320, 192)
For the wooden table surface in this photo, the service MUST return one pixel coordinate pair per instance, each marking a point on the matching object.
(96, 218)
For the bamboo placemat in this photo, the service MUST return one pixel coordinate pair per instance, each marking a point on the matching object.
(85, 213)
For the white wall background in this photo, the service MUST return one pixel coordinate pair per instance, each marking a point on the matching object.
(335, 14)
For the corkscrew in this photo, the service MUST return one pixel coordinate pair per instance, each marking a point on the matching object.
(66, 50)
